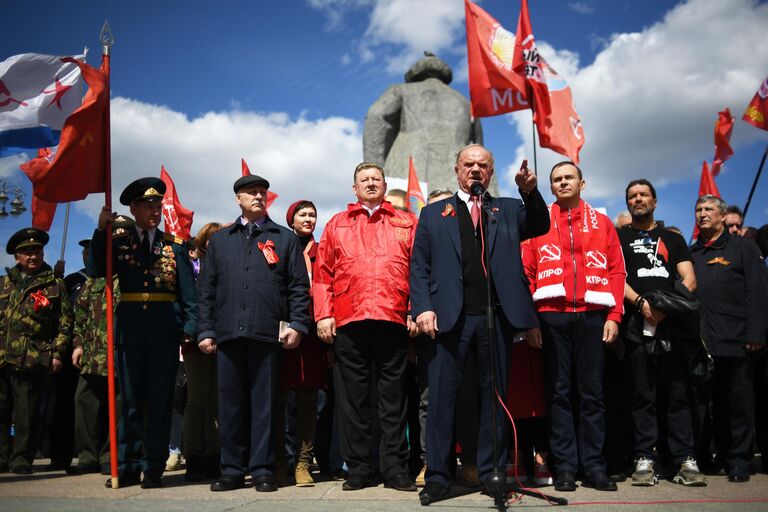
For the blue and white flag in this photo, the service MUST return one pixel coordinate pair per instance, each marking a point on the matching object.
(37, 94)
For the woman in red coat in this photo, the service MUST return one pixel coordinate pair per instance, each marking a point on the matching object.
(303, 369)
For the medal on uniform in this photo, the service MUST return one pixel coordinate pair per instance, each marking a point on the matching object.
(268, 248)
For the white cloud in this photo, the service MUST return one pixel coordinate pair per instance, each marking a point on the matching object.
(581, 7)
(649, 100)
(302, 158)
(336, 9)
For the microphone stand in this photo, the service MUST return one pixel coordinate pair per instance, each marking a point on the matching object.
(497, 486)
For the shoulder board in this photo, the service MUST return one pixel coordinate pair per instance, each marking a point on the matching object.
(171, 238)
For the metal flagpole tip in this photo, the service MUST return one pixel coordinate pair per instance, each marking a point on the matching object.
(106, 37)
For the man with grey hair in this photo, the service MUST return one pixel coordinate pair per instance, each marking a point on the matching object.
(733, 292)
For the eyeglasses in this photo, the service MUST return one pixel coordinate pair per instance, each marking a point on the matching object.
(647, 240)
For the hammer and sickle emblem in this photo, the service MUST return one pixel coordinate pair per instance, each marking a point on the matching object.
(549, 253)
(596, 259)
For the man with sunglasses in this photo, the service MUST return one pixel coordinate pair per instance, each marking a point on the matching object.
(655, 259)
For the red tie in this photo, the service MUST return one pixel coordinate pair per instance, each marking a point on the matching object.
(474, 212)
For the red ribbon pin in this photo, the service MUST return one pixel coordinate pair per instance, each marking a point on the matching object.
(268, 249)
(41, 301)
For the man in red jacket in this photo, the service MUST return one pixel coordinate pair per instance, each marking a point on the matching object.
(577, 278)
(361, 300)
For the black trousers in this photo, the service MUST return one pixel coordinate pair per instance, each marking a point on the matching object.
(445, 377)
(247, 372)
(356, 346)
(647, 376)
(733, 408)
(19, 395)
(62, 434)
(92, 419)
(761, 405)
(574, 356)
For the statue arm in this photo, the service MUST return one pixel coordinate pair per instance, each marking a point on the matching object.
(382, 124)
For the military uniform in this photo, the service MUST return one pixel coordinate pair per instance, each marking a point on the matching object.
(35, 327)
(157, 307)
(91, 397)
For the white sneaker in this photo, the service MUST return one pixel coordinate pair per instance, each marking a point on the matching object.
(542, 475)
(174, 462)
(689, 474)
(644, 475)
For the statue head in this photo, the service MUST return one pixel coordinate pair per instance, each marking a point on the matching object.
(431, 66)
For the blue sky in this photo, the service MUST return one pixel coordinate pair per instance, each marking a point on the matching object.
(198, 85)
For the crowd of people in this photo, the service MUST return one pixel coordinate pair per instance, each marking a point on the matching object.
(396, 349)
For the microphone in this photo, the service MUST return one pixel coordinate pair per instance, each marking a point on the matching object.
(477, 189)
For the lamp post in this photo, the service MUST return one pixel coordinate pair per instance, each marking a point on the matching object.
(17, 204)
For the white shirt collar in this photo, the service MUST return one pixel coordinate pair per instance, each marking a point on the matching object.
(151, 233)
(371, 210)
(464, 196)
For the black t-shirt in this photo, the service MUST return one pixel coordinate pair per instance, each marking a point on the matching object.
(651, 257)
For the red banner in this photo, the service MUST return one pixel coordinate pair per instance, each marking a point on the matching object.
(707, 185)
(723, 131)
(415, 197)
(178, 220)
(42, 211)
(271, 196)
(757, 110)
(494, 87)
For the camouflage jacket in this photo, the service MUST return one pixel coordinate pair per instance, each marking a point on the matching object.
(35, 319)
(90, 331)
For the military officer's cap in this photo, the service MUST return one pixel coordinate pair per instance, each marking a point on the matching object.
(143, 189)
(86, 243)
(27, 237)
(122, 224)
(249, 181)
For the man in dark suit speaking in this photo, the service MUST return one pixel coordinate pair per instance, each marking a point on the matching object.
(449, 300)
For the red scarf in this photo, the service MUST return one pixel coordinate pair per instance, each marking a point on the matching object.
(594, 269)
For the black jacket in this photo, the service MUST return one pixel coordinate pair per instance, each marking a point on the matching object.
(243, 296)
(733, 291)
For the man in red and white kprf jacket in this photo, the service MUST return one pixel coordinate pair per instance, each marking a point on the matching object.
(577, 280)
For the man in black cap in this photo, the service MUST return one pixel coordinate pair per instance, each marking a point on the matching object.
(253, 278)
(158, 306)
(36, 326)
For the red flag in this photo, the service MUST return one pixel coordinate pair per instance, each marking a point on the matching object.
(178, 220)
(757, 110)
(42, 211)
(723, 131)
(707, 185)
(78, 168)
(661, 250)
(529, 62)
(557, 122)
(494, 87)
(415, 197)
(271, 196)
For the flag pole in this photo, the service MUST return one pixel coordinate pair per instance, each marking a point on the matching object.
(64, 235)
(535, 163)
(754, 183)
(107, 41)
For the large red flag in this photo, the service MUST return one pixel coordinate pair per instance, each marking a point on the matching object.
(42, 211)
(723, 131)
(415, 197)
(529, 62)
(271, 196)
(178, 220)
(494, 87)
(707, 185)
(78, 169)
(757, 110)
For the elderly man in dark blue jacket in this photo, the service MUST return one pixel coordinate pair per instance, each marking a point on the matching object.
(253, 279)
(733, 292)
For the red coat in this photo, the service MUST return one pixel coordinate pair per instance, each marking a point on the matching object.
(305, 366)
(363, 264)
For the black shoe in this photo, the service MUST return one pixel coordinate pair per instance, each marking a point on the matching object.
(4, 468)
(401, 482)
(58, 466)
(265, 483)
(124, 480)
(565, 482)
(738, 475)
(24, 469)
(152, 480)
(195, 469)
(355, 483)
(228, 483)
(83, 469)
(599, 481)
(432, 492)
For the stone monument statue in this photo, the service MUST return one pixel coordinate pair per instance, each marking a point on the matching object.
(423, 118)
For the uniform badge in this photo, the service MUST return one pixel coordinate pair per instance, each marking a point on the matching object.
(719, 260)
(449, 210)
